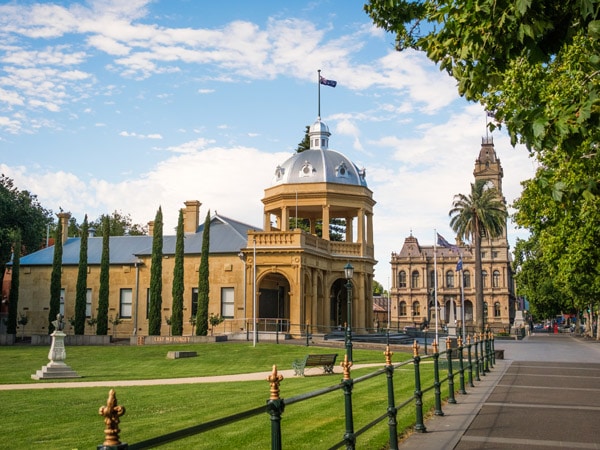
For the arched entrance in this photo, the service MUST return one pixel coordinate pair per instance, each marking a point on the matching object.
(273, 303)
(338, 304)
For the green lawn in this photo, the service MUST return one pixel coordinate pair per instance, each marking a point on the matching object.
(69, 419)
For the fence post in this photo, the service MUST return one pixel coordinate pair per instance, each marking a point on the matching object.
(419, 425)
(470, 361)
(436, 379)
(461, 367)
(491, 352)
(481, 354)
(349, 437)
(451, 398)
(391, 410)
(111, 412)
(493, 347)
(275, 407)
(476, 345)
(486, 360)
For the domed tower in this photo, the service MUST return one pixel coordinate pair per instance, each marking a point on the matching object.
(318, 217)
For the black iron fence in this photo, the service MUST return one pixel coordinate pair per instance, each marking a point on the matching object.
(461, 363)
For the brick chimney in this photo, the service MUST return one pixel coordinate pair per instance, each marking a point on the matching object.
(191, 216)
(64, 221)
(151, 228)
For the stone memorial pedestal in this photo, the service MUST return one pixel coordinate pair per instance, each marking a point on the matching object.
(56, 368)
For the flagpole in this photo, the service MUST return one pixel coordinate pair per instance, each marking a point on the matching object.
(435, 288)
(319, 92)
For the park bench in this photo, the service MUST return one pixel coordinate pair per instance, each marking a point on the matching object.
(326, 361)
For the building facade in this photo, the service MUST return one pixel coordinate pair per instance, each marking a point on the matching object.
(280, 278)
(418, 270)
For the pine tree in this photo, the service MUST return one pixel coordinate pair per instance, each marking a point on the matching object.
(81, 288)
(155, 319)
(13, 298)
(55, 278)
(102, 324)
(178, 287)
(203, 284)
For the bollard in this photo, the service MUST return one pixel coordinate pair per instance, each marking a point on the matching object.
(470, 361)
(436, 380)
(111, 412)
(391, 410)
(349, 437)
(451, 398)
(419, 425)
(461, 367)
(275, 407)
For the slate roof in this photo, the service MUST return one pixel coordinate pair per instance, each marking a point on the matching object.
(226, 236)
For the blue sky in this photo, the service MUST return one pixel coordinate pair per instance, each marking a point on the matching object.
(131, 105)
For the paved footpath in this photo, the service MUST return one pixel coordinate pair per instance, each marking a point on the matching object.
(545, 394)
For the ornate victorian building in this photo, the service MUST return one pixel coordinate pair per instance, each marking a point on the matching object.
(416, 267)
(284, 277)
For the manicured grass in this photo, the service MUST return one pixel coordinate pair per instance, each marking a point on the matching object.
(69, 419)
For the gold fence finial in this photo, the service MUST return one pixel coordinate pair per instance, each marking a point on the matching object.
(459, 341)
(388, 355)
(346, 366)
(111, 412)
(415, 348)
(435, 346)
(275, 378)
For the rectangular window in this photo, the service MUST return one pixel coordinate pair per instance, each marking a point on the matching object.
(125, 303)
(194, 302)
(227, 303)
(88, 302)
(62, 303)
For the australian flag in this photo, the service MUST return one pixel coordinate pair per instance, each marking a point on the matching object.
(327, 82)
(444, 243)
(459, 265)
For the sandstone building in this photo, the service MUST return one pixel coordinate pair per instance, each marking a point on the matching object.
(415, 267)
(286, 278)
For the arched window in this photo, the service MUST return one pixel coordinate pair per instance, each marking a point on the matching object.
(450, 279)
(497, 309)
(415, 279)
(466, 278)
(402, 308)
(496, 278)
(484, 278)
(416, 309)
(402, 279)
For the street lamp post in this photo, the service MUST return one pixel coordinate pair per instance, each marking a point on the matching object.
(349, 272)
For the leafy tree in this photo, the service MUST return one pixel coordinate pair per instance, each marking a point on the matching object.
(81, 287)
(482, 43)
(55, 278)
(337, 227)
(203, 282)
(13, 298)
(378, 288)
(304, 144)
(20, 210)
(178, 285)
(120, 225)
(481, 213)
(155, 318)
(102, 319)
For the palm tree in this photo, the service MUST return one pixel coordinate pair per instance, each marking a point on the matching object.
(482, 213)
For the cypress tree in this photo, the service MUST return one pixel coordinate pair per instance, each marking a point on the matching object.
(203, 284)
(13, 298)
(102, 324)
(155, 320)
(178, 287)
(81, 288)
(55, 277)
